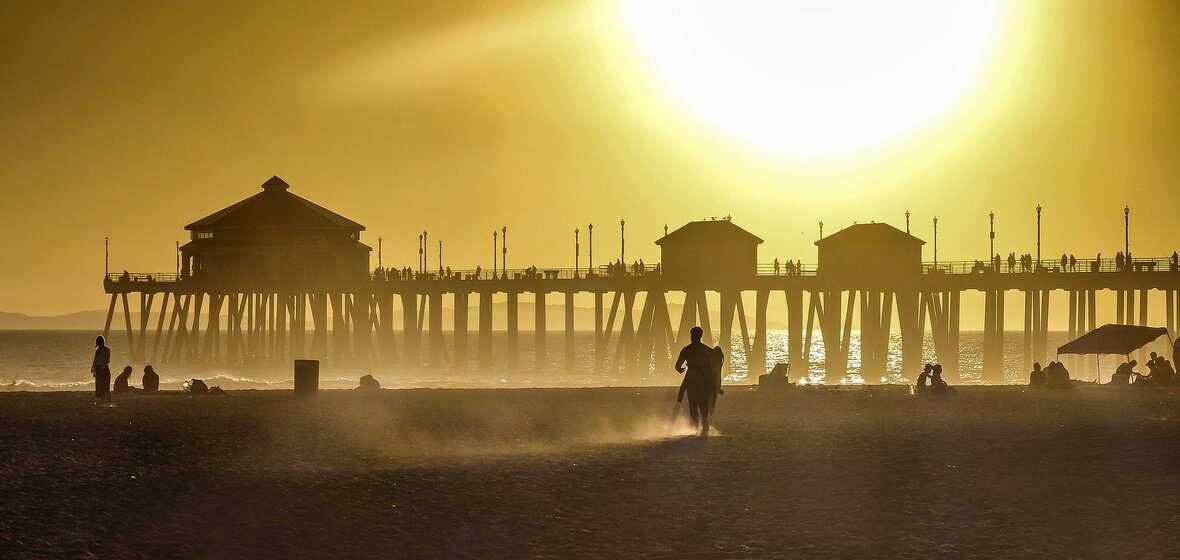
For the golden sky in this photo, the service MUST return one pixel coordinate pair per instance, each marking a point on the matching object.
(132, 119)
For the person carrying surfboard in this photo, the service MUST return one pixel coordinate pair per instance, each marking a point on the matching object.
(700, 379)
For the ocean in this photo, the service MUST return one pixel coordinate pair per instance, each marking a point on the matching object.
(60, 360)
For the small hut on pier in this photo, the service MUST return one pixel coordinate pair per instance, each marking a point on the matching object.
(711, 250)
(867, 252)
(275, 238)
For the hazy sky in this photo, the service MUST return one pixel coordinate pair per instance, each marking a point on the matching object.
(132, 119)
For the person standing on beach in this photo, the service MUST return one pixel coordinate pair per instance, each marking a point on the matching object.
(101, 368)
(699, 379)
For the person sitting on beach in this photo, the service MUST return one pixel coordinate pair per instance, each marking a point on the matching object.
(778, 378)
(1057, 377)
(937, 385)
(1163, 372)
(1036, 379)
(151, 381)
(699, 380)
(198, 387)
(923, 379)
(1123, 374)
(367, 383)
(1166, 371)
(100, 367)
(122, 380)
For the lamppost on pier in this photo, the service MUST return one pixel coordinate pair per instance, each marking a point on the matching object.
(991, 235)
(821, 230)
(1038, 237)
(623, 241)
(907, 221)
(1127, 231)
(106, 256)
(590, 264)
(440, 266)
(178, 259)
(495, 253)
(425, 254)
(504, 249)
(420, 253)
(577, 252)
(936, 243)
(379, 254)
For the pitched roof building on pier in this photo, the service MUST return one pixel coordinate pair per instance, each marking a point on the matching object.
(272, 237)
(709, 250)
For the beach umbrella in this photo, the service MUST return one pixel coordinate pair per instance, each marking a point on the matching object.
(1112, 339)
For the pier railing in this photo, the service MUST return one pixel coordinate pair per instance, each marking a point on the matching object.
(1161, 264)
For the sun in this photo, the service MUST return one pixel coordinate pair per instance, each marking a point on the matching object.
(815, 80)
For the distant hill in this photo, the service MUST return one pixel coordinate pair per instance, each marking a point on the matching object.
(79, 320)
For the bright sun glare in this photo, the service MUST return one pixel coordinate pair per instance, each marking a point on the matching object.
(816, 80)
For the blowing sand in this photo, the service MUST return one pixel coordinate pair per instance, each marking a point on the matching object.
(816, 473)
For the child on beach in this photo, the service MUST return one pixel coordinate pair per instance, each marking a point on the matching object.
(101, 368)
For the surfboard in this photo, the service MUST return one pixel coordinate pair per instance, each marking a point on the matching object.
(716, 359)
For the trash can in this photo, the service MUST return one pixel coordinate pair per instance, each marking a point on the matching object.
(307, 377)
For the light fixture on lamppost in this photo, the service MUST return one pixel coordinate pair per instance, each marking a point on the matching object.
(504, 250)
(577, 252)
(665, 230)
(936, 243)
(991, 235)
(1038, 237)
(907, 221)
(821, 230)
(495, 253)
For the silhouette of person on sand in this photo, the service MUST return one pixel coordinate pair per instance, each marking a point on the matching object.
(923, 378)
(1036, 379)
(121, 382)
(700, 380)
(151, 380)
(937, 385)
(101, 368)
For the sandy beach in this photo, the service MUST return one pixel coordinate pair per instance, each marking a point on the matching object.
(561, 473)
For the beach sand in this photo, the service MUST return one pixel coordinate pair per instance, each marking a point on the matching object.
(812, 473)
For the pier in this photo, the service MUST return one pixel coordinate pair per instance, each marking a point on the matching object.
(254, 288)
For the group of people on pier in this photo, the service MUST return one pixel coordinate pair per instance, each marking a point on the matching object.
(100, 368)
(788, 268)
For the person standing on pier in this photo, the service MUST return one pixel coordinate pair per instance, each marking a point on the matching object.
(699, 381)
(101, 368)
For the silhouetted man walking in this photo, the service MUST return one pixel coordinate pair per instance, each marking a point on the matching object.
(699, 381)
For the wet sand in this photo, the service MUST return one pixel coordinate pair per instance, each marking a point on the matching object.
(813, 473)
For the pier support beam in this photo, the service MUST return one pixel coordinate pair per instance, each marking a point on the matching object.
(513, 313)
(411, 335)
(540, 351)
(993, 336)
(570, 345)
(485, 330)
(461, 309)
